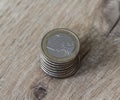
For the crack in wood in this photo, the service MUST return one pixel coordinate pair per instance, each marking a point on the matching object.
(115, 24)
(113, 27)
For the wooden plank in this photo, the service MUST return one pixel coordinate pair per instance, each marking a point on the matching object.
(22, 25)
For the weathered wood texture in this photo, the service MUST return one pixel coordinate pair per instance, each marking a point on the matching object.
(22, 25)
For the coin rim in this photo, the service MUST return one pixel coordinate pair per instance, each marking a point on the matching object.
(56, 59)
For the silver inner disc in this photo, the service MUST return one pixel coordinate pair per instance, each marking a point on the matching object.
(60, 45)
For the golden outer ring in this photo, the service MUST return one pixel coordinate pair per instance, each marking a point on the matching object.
(55, 59)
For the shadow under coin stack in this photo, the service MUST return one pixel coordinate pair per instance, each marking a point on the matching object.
(59, 57)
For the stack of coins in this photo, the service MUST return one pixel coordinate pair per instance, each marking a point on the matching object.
(59, 53)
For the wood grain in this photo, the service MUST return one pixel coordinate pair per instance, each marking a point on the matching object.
(22, 25)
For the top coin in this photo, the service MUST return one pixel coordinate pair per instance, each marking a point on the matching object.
(60, 45)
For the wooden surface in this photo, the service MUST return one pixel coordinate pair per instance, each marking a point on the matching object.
(22, 25)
